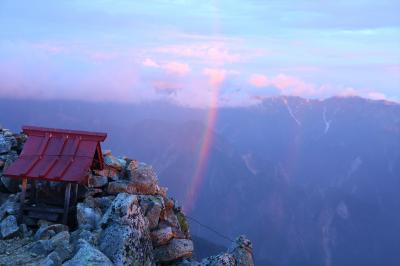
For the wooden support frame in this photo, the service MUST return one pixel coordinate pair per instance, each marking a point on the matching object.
(34, 195)
(22, 199)
(67, 198)
(75, 191)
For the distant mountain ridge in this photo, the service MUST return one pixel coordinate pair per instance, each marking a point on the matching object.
(311, 182)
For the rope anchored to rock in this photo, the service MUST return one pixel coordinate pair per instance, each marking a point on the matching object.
(211, 229)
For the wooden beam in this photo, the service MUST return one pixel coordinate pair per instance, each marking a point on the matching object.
(66, 202)
(34, 191)
(22, 199)
(75, 198)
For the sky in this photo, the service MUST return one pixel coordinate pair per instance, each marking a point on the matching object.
(199, 53)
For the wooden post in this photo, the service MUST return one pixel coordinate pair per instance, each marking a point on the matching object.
(75, 198)
(22, 199)
(66, 202)
(34, 191)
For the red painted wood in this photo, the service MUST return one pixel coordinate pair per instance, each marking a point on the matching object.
(54, 154)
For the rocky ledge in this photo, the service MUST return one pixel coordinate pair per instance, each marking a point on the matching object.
(124, 218)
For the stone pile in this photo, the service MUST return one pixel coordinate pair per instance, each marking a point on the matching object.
(125, 218)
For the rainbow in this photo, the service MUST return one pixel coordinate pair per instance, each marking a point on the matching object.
(208, 135)
(205, 149)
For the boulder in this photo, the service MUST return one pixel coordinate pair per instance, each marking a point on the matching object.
(5, 144)
(132, 165)
(10, 184)
(47, 231)
(96, 181)
(121, 186)
(9, 227)
(223, 259)
(89, 236)
(170, 218)
(242, 250)
(152, 207)
(53, 259)
(41, 247)
(161, 236)
(60, 240)
(9, 207)
(88, 255)
(125, 238)
(88, 216)
(144, 179)
(114, 162)
(108, 172)
(175, 249)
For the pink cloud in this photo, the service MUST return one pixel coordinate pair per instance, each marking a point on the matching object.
(148, 62)
(215, 75)
(213, 52)
(287, 85)
(259, 81)
(173, 67)
(177, 68)
(374, 95)
(293, 85)
(348, 92)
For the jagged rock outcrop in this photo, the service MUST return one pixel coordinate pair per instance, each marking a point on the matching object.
(125, 218)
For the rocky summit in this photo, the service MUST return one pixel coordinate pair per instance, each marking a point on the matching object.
(124, 218)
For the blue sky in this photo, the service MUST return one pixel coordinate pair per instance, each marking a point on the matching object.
(190, 52)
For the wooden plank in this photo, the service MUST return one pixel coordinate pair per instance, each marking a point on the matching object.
(44, 209)
(66, 202)
(34, 191)
(43, 215)
(75, 198)
(22, 199)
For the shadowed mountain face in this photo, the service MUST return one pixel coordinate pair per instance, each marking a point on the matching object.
(310, 182)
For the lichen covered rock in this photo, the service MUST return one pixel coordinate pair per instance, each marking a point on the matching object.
(88, 255)
(125, 237)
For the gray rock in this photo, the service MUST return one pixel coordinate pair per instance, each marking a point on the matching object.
(60, 240)
(125, 238)
(176, 248)
(144, 179)
(242, 250)
(103, 202)
(109, 172)
(161, 236)
(47, 231)
(171, 218)
(24, 231)
(240, 253)
(9, 207)
(121, 186)
(9, 227)
(223, 259)
(5, 145)
(96, 181)
(114, 162)
(88, 217)
(152, 206)
(88, 255)
(41, 247)
(10, 184)
(53, 259)
(88, 236)
(64, 252)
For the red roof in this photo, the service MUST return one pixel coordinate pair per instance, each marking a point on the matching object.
(57, 155)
